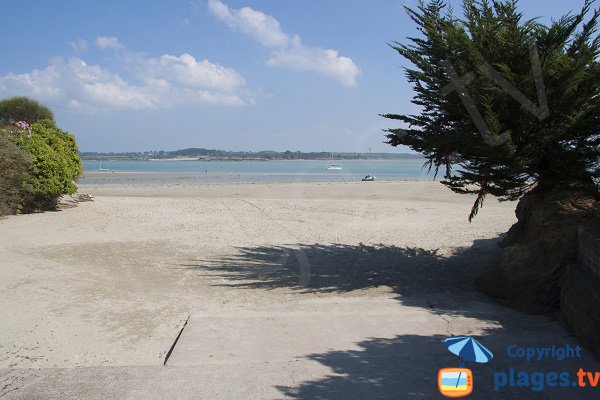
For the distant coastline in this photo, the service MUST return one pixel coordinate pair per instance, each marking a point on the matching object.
(200, 154)
(227, 171)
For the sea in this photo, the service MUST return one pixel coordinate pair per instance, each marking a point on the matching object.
(270, 171)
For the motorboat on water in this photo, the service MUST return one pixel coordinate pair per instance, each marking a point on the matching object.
(368, 178)
(333, 167)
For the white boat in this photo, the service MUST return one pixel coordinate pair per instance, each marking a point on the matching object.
(101, 168)
(368, 178)
(333, 166)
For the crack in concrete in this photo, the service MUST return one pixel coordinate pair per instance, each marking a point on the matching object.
(447, 322)
(175, 342)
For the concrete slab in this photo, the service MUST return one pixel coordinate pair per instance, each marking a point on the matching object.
(293, 331)
(335, 348)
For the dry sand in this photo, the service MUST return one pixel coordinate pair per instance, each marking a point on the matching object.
(299, 290)
(112, 281)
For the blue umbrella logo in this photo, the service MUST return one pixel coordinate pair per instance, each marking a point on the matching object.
(468, 349)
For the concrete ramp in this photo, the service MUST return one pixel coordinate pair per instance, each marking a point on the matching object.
(335, 348)
(296, 331)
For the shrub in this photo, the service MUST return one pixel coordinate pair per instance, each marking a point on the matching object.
(54, 157)
(16, 172)
(25, 109)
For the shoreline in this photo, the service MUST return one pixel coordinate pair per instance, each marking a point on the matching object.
(160, 182)
(166, 174)
(392, 191)
(217, 159)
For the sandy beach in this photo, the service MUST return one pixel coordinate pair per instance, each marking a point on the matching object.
(112, 282)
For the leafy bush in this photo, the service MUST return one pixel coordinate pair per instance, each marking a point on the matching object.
(25, 109)
(16, 172)
(54, 157)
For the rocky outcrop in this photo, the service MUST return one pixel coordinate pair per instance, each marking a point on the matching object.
(551, 260)
(72, 200)
(539, 246)
(580, 293)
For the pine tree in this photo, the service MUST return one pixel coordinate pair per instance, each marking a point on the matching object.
(509, 107)
(557, 146)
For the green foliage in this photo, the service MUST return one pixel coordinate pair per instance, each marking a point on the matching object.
(16, 172)
(55, 161)
(25, 109)
(546, 151)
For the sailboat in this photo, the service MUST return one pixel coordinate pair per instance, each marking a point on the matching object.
(101, 167)
(334, 166)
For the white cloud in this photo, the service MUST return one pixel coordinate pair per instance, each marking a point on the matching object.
(324, 62)
(263, 28)
(290, 52)
(189, 72)
(76, 84)
(109, 42)
(161, 82)
(78, 45)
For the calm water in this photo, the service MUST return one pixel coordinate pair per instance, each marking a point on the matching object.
(275, 171)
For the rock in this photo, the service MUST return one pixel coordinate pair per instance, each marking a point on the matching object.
(85, 197)
(539, 246)
(580, 306)
(66, 201)
(69, 201)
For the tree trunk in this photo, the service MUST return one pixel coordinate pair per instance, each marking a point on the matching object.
(539, 246)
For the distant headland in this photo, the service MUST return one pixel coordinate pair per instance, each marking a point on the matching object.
(191, 154)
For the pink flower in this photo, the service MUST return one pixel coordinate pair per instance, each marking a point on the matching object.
(22, 125)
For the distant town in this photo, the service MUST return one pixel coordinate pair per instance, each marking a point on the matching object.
(221, 155)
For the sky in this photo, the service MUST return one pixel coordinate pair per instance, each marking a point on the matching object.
(125, 75)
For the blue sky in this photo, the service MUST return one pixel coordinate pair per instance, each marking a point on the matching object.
(227, 74)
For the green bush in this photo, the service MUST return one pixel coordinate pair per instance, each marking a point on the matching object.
(25, 109)
(54, 157)
(16, 173)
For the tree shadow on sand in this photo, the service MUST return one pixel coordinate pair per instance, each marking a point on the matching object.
(339, 268)
(405, 366)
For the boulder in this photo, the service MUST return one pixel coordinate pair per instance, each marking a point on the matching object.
(69, 201)
(580, 306)
(84, 197)
(539, 246)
